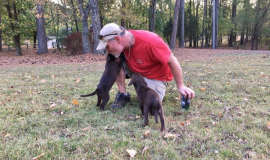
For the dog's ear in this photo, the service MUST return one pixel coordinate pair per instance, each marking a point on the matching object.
(130, 82)
(144, 81)
(110, 57)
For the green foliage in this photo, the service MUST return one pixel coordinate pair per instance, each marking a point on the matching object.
(168, 30)
(25, 24)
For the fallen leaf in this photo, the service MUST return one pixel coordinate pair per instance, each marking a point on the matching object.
(43, 81)
(145, 149)
(203, 82)
(268, 125)
(86, 128)
(53, 106)
(188, 84)
(78, 80)
(220, 114)
(147, 133)
(137, 117)
(131, 152)
(202, 89)
(182, 123)
(169, 135)
(75, 102)
(7, 135)
(35, 158)
(227, 82)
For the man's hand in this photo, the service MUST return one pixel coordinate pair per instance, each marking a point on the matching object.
(185, 91)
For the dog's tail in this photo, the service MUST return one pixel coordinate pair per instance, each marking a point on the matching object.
(91, 94)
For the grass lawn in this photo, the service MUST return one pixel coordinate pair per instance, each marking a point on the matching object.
(41, 113)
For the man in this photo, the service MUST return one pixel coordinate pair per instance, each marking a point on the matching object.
(146, 53)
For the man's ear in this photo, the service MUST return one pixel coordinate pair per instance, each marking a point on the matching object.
(117, 39)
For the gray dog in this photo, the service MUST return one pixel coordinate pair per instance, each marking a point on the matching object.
(148, 99)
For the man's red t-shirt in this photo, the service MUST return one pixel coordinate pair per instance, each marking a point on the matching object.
(149, 56)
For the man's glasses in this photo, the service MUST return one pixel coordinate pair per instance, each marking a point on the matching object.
(102, 36)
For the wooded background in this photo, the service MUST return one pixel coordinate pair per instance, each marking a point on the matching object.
(181, 23)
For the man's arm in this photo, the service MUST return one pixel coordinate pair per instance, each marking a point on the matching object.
(178, 77)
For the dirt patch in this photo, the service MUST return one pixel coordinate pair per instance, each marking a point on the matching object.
(29, 57)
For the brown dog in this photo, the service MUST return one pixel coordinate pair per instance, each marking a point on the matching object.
(112, 68)
(149, 100)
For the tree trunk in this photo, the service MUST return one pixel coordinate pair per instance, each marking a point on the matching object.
(242, 38)
(123, 20)
(85, 30)
(175, 23)
(233, 32)
(95, 24)
(260, 15)
(35, 39)
(247, 32)
(182, 23)
(190, 25)
(215, 24)
(152, 16)
(74, 9)
(41, 33)
(0, 31)
(196, 39)
(16, 38)
(204, 15)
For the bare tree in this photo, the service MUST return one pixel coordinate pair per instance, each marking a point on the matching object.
(95, 23)
(152, 15)
(85, 30)
(175, 24)
(182, 22)
(41, 33)
(13, 17)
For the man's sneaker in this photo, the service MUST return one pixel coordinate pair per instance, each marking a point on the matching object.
(120, 100)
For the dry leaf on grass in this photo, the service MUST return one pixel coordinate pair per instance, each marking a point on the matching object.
(220, 114)
(202, 89)
(147, 133)
(268, 125)
(86, 128)
(7, 135)
(75, 102)
(145, 149)
(53, 106)
(169, 135)
(37, 157)
(131, 152)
